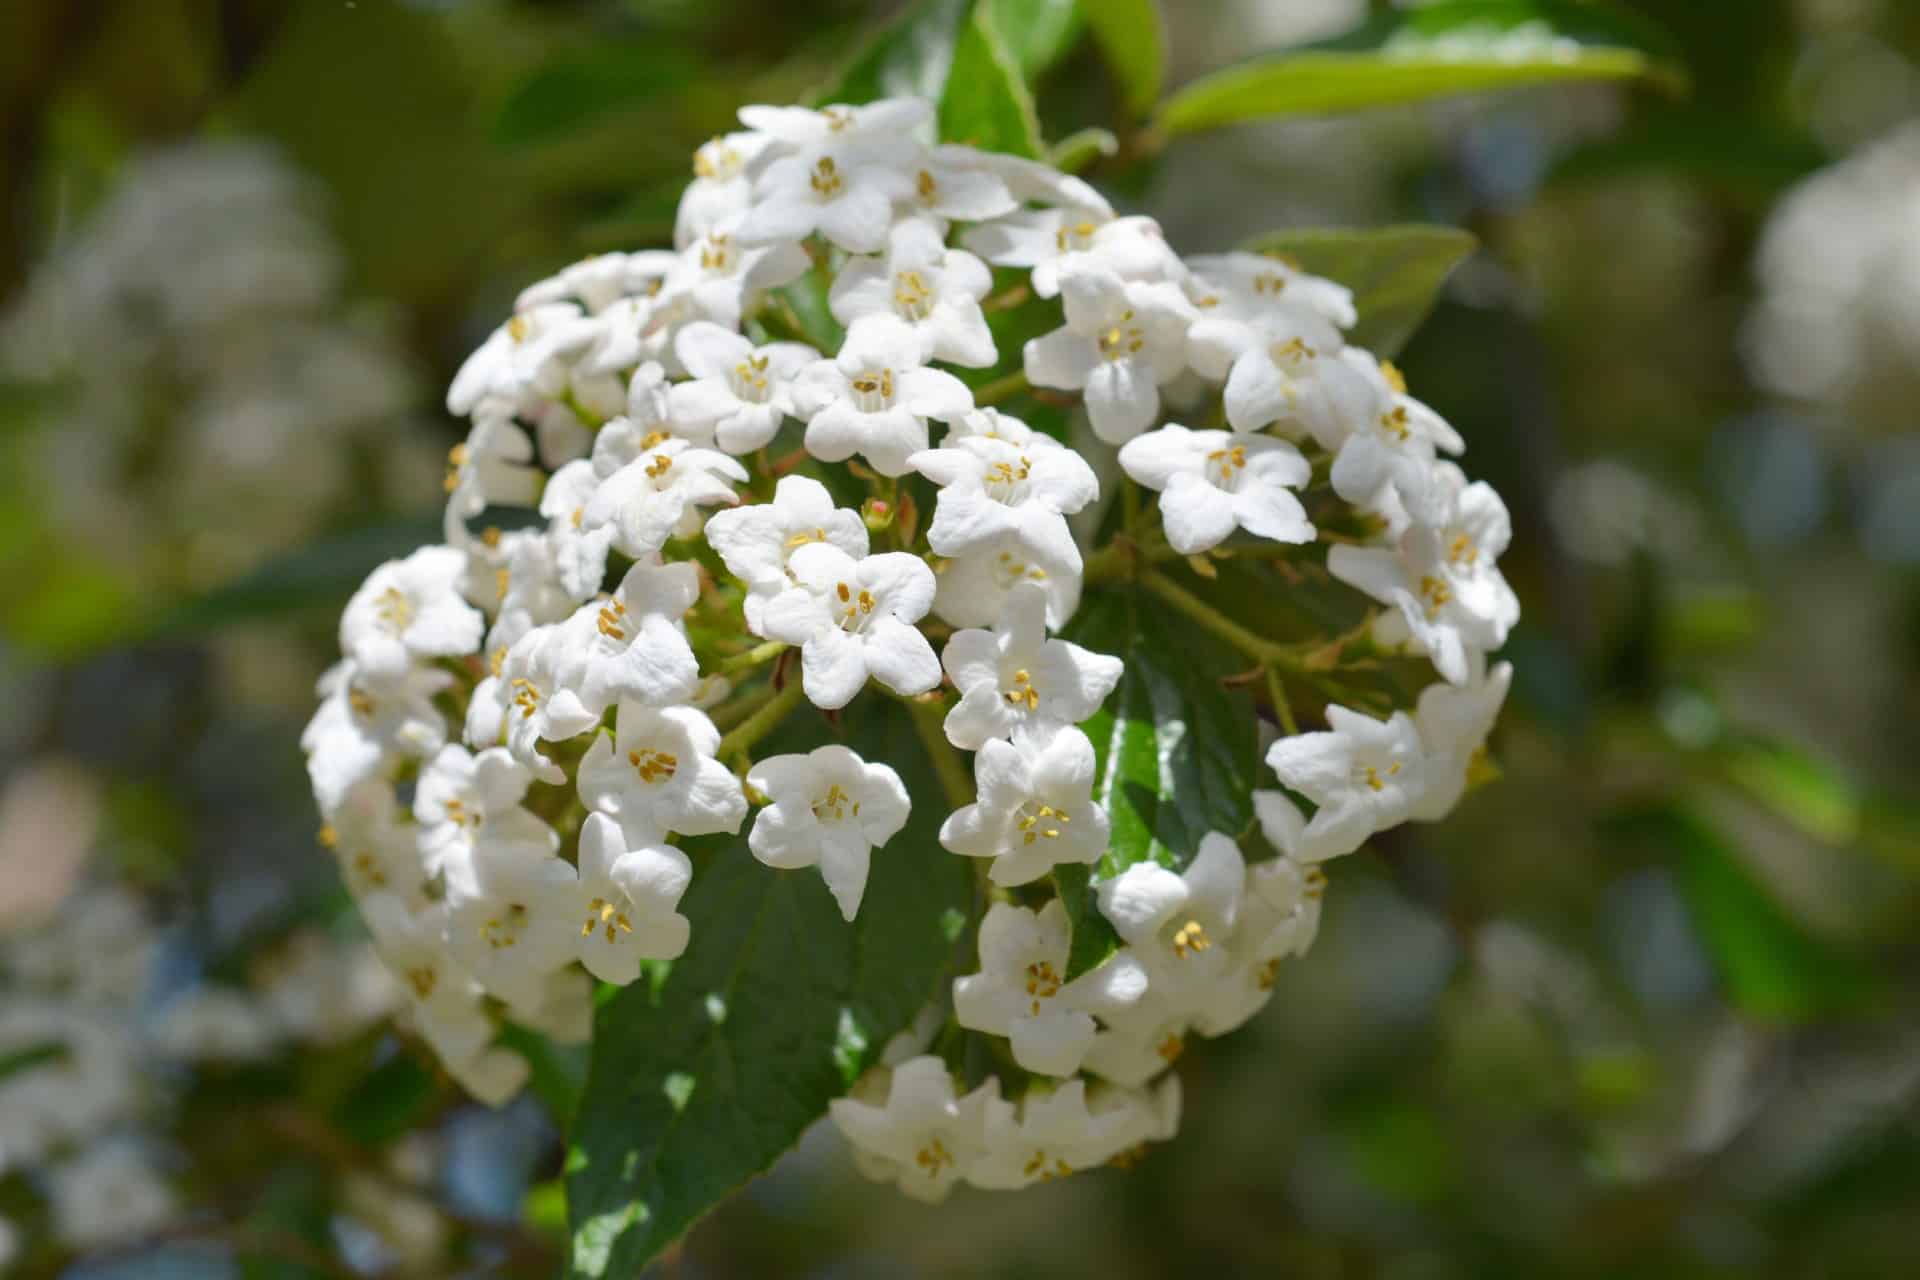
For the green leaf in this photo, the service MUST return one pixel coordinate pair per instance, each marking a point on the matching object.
(1772, 967)
(14, 1061)
(1177, 753)
(910, 55)
(586, 88)
(776, 1006)
(1133, 38)
(558, 1071)
(1738, 154)
(1457, 46)
(322, 573)
(1078, 150)
(986, 103)
(1806, 791)
(1038, 33)
(1395, 272)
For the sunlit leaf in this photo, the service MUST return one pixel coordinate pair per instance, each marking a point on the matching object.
(1133, 36)
(911, 55)
(1038, 33)
(1453, 47)
(986, 103)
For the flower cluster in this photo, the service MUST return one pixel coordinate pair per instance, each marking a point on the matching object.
(527, 719)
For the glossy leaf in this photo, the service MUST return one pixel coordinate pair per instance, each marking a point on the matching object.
(1038, 33)
(583, 89)
(986, 103)
(1396, 273)
(702, 1081)
(1437, 50)
(911, 55)
(1177, 753)
(1133, 37)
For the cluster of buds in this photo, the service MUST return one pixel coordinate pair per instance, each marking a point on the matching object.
(525, 722)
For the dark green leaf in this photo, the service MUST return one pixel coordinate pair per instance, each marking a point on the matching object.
(911, 55)
(776, 1005)
(1772, 967)
(1134, 39)
(1037, 32)
(986, 103)
(559, 1071)
(1457, 46)
(583, 89)
(1176, 752)
(1395, 272)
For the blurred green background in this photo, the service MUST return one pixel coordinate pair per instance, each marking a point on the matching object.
(1647, 1007)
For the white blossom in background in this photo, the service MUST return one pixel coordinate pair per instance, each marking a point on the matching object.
(410, 609)
(830, 809)
(1211, 482)
(1363, 775)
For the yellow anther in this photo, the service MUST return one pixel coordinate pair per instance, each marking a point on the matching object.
(1191, 939)
(1171, 1048)
(362, 702)
(653, 766)
(825, 179)
(925, 186)
(1269, 283)
(933, 1157)
(912, 297)
(328, 837)
(1436, 593)
(602, 914)
(1267, 974)
(1462, 551)
(612, 615)
(1395, 379)
(654, 439)
(518, 328)
(490, 536)
(802, 538)
(1394, 422)
(834, 804)
(1023, 692)
(526, 696)
(423, 980)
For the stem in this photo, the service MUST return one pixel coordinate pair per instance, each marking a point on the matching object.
(1001, 388)
(753, 657)
(732, 713)
(927, 718)
(1282, 705)
(1256, 647)
(748, 732)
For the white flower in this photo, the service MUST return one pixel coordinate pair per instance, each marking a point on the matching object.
(1284, 366)
(1055, 1135)
(629, 645)
(973, 588)
(756, 541)
(739, 392)
(595, 283)
(493, 466)
(921, 1137)
(512, 921)
(410, 610)
(885, 124)
(1241, 286)
(442, 1000)
(991, 487)
(935, 290)
(532, 351)
(853, 618)
(717, 278)
(1454, 722)
(1053, 242)
(578, 553)
(491, 1076)
(363, 726)
(1363, 775)
(626, 902)
(1279, 917)
(1121, 341)
(843, 189)
(830, 809)
(1391, 446)
(1021, 991)
(1014, 681)
(377, 852)
(1023, 180)
(1211, 481)
(720, 190)
(1035, 810)
(961, 184)
(108, 1192)
(1142, 1043)
(530, 702)
(463, 801)
(1179, 926)
(658, 495)
(875, 397)
(657, 773)
(1444, 579)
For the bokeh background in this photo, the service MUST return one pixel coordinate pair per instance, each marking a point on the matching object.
(1646, 1007)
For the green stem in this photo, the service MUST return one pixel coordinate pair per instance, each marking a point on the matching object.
(1282, 705)
(1254, 646)
(753, 657)
(732, 713)
(744, 736)
(927, 722)
(1001, 388)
